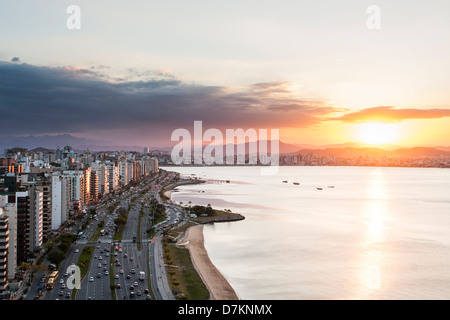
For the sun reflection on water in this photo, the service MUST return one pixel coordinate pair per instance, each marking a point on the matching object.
(371, 255)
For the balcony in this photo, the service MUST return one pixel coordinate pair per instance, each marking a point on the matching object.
(4, 233)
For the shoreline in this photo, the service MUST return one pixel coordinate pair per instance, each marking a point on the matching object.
(218, 286)
(193, 239)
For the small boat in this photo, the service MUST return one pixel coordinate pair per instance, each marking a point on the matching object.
(296, 183)
(330, 187)
(284, 181)
(319, 188)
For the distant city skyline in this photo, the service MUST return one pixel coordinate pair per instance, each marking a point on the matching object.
(133, 74)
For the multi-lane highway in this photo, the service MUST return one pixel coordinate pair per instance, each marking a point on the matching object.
(136, 265)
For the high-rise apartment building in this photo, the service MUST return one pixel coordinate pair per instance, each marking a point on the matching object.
(9, 210)
(61, 188)
(4, 246)
(29, 222)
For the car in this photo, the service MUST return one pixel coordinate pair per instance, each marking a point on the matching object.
(118, 286)
(63, 286)
(118, 264)
(131, 294)
(116, 276)
(106, 272)
(146, 291)
(100, 258)
(91, 279)
(99, 265)
(139, 293)
(135, 284)
(133, 271)
(128, 276)
(60, 293)
(99, 275)
(95, 256)
(148, 297)
(68, 295)
(121, 271)
(117, 260)
(77, 250)
(65, 274)
(131, 258)
(125, 255)
(107, 254)
(61, 281)
(131, 287)
(104, 262)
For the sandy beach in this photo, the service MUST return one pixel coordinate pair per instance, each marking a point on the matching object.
(216, 283)
(168, 194)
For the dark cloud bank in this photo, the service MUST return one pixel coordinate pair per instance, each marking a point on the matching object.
(50, 100)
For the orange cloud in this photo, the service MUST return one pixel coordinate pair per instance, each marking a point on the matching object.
(390, 114)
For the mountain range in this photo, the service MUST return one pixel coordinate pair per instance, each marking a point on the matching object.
(81, 144)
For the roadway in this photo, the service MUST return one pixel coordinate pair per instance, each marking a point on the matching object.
(130, 261)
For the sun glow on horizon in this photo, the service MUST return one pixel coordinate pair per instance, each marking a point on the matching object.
(377, 132)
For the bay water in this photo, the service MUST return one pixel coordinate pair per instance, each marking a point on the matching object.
(341, 233)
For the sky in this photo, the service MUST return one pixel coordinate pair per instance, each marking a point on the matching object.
(135, 71)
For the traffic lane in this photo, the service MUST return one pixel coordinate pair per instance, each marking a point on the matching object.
(96, 289)
(101, 281)
(153, 274)
(119, 277)
(134, 262)
(140, 266)
(132, 224)
(71, 258)
(160, 268)
(130, 270)
(34, 288)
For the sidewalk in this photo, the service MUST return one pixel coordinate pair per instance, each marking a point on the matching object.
(160, 273)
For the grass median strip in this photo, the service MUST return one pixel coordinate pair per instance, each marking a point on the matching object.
(83, 263)
(111, 275)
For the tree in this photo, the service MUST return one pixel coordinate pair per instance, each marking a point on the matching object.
(56, 256)
(209, 210)
(64, 246)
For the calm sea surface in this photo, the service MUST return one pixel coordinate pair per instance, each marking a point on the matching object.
(380, 233)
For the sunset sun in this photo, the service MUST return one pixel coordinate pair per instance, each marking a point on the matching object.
(377, 132)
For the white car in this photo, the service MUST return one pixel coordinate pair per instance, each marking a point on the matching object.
(77, 250)
(91, 279)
